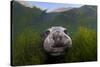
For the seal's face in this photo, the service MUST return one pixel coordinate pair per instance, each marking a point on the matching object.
(56, 41)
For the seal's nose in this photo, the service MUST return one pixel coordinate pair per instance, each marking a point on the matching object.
(57, 37)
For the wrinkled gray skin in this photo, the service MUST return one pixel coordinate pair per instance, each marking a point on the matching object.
(56, 41)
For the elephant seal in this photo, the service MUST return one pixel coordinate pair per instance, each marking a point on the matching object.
(56, 40)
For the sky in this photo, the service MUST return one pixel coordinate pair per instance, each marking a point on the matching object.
(52, 6)
(47, 5)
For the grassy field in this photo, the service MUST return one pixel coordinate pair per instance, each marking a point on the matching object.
(27, 48)
(84, 46)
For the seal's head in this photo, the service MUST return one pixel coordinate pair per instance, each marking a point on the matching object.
(56, 40)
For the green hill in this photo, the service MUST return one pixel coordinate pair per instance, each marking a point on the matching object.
(23, 17)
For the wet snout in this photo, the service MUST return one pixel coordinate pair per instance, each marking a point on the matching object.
(57, 37)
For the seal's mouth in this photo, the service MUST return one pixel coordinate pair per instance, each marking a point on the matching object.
(58, 45)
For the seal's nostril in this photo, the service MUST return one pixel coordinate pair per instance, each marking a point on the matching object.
(54, 38)
(57, 38)
(60, 37)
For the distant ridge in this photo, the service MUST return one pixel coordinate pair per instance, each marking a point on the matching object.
(63, 9)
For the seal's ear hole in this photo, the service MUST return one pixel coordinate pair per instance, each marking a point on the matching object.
(65, 31)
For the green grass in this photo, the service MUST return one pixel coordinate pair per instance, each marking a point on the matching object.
(84, 46)
(27, 47)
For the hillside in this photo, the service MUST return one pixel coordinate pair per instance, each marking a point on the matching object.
(23, 17)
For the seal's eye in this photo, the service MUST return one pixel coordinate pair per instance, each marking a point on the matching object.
(47, 32)
(65, 31)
